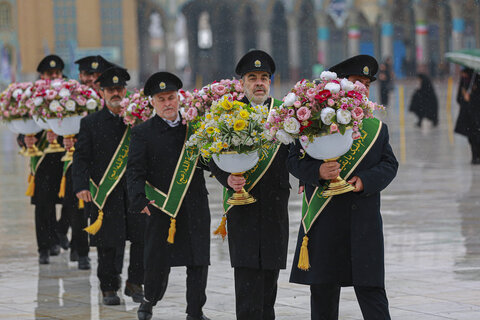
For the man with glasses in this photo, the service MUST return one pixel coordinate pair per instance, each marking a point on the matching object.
(99, 164)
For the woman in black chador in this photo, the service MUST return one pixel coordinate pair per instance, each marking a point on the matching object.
(424, 101)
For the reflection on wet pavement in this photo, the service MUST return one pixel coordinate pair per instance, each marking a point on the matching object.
(431, 215)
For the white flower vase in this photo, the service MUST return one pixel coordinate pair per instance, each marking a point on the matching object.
(67, 127)
(29, 128)
(237, 164)
(53, 147)
(329, 148)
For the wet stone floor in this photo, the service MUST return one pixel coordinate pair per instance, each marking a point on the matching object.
(431, 216)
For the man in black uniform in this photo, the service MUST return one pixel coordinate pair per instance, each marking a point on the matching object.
(157, 146)
(98, 166)
(346, 241)
(258, 232)
(90, 69)
(46, 176)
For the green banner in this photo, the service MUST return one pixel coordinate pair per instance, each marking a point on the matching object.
(348, 162)
(113, 174)
(35, 161)
(170, 203)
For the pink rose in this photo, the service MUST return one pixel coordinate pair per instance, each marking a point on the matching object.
(357, 113)
(297, 104)
(219, 89)
(291, 112)
(333, 128)
(303, 114)
(238, 87)
(191, 113)
(330, 102)
(304, 138)
(356, 135)
(311, 93)
(51, 94)
(81, 100)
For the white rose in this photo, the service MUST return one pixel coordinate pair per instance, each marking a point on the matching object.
(332, 87)
(54, 106)
(93, 94)
(28, 92)
(70, 105)
(290, 99)
(91, 104)
(327, 115)
(249, 142)
(131, 107)
(284, 137)
(64, 92)
(56, 83)
(291, 125)
(17, 93)
(347, 85)
(343, 116)
(327, 75)
(236, 141)
(38, 101)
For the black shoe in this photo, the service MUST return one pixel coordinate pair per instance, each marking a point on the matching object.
(135, 291)
(44, 258)
(64, 243)
(145, 311)
(55, 250)
(202, 317)
(476, 161)
(110, 298)
(73, 255)
(84, 263)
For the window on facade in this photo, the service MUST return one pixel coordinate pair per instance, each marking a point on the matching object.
(65, 25)
(112, 27)
(5, 16)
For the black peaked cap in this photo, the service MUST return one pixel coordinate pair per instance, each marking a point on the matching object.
(94, 64)
(255, 60)
(113, 77)
(361, 65)
(50, 62)
(162, 82)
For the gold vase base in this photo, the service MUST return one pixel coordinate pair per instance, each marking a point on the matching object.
(54, 148)
(33, 152)
(241, 198)
(338, 186)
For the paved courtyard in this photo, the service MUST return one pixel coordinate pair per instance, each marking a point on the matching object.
(431, 215)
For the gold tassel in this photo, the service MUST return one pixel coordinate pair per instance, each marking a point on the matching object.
(172, 230)
(94, 227)
(222, 230)
(81, 204)
(63, 183)
(31, 186)
(303, 260)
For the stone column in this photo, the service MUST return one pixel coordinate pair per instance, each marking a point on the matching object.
(170, 38)
(323, 35)
(458, 24)
(264, 38)
(353, 32)
(387, 30)
(293, 47)
(421, 38)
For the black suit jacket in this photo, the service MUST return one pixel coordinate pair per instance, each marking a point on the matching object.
(258, 232)
(154, 152)
(346, 241)
(98, 139)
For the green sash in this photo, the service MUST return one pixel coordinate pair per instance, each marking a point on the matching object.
(348, 162)
(254, 175)
(170, 203)
(35, 161)
(113, 174)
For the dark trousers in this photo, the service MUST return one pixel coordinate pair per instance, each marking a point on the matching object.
(474, 141)
(156, 282)
(110, 263)
(135, 266)
(79, 221)
(64, 222)
(255, 293)
(325, 298)
(45, 222)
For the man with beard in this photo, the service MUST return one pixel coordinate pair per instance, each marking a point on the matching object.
(46, 171)
(90, 69)
(99, 164)
(345, 237)
(165, 184)
(258, 232)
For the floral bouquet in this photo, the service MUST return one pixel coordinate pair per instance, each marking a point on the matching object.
(15, 102)
(200, 101)
(316, 109)
(136, 108)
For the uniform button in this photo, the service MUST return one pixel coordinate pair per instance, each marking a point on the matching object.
(354, 207)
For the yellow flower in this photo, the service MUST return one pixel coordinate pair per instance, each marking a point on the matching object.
(216, 118)
(225, 145)
(202, 126)
(238, 104)
(210, 130)
(244, 114)
(239, 125)
(219, 145)
(225, 104)
(208, 116)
